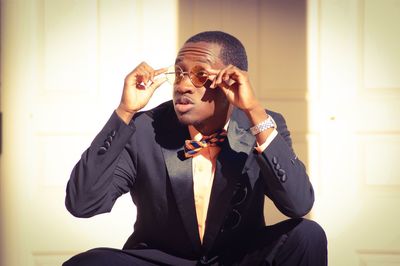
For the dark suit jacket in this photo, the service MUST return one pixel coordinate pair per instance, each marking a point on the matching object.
(146, 159)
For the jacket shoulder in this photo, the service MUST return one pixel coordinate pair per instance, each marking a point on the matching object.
(161, 111)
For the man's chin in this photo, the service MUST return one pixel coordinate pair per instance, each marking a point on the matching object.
(185, 119)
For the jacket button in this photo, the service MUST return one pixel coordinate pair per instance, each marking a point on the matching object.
(107, 144)
(281, 172)
(203, 260)
(113, 133)
(274, 160)
(109, 139)
(102, 150)
(283, 178)
(277, 166)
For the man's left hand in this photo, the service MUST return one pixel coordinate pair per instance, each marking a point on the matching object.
(236, 85)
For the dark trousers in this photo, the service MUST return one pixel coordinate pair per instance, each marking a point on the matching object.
(288, 243)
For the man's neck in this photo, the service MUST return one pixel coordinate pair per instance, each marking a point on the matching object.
(209, 127)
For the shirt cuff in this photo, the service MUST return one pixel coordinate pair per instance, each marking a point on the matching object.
(262, 147)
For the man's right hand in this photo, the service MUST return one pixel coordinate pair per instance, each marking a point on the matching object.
(139, 86)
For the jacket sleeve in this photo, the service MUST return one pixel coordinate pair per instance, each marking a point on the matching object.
(285, 178)
(105, 171)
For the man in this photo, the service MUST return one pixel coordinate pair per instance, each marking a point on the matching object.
(198, 203)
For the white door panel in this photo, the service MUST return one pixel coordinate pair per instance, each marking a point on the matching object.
(63, 64)
(354, 104)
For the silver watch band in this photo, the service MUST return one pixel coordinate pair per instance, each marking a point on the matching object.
(264, 125)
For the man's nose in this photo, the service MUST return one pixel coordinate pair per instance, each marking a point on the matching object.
(184, 85)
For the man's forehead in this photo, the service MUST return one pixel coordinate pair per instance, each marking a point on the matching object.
(200, 51)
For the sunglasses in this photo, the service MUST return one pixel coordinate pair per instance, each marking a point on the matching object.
(197, 75)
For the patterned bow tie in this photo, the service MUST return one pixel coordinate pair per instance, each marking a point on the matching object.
(192, 147)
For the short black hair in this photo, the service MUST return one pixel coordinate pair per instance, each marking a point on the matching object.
(232, 50)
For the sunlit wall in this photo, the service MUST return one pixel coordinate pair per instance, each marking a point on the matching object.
(63, 65)
(330, 67)
(354, 130)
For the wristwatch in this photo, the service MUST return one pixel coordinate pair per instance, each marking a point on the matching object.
(264, 125)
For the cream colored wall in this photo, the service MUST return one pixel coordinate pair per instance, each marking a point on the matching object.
(331, 67)
(274, 34)
(62, 68)
(354, 127)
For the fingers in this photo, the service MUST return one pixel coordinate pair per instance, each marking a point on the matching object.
(144, 76)
(156, 80)
(160, 71)
(157, 83)
(157, 72)
(226, 77)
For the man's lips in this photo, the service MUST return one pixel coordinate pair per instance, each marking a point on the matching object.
(183, 104)
(183, 100)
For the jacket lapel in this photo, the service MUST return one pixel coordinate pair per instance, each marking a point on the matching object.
(181, 178)
(171, 137)
(231, 164)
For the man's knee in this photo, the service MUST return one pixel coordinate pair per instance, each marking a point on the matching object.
(107, 257)
(91, 257)
(306, 244)
(310, 233)
(308, 241)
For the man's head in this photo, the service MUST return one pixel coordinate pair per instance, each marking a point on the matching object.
(232, 50)
(205, 108)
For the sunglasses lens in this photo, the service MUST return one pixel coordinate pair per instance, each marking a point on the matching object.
(170, 78)
(198, 76)
(173, 75)
(170, 75)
